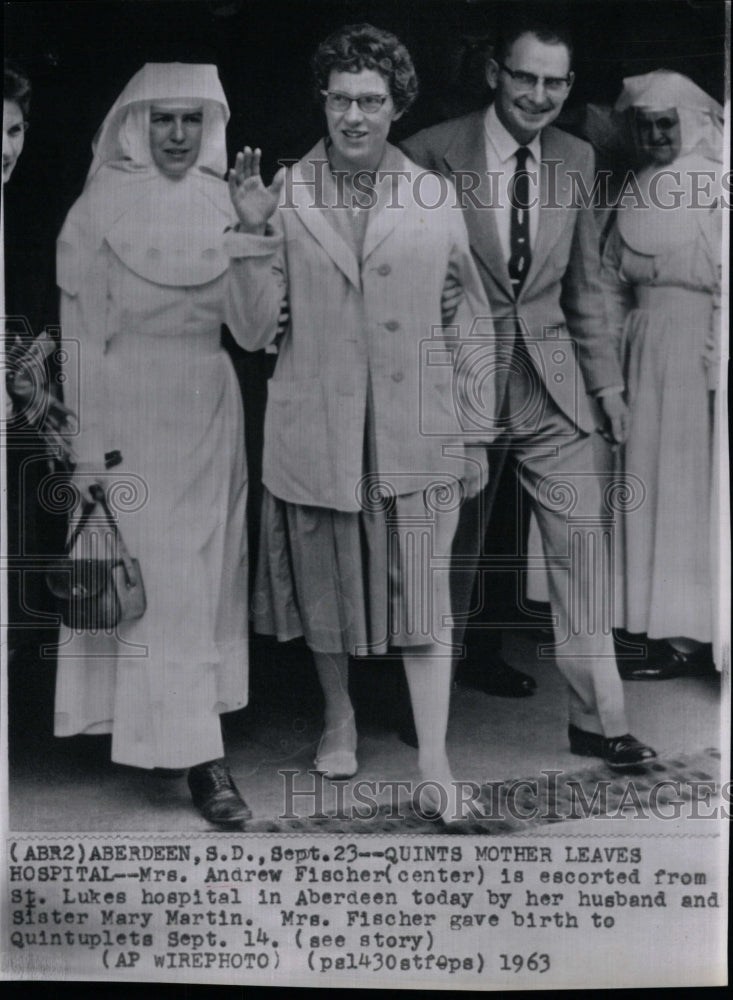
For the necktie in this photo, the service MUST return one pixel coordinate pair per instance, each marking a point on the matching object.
(520, 250)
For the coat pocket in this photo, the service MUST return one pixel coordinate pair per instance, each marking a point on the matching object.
(296, 464)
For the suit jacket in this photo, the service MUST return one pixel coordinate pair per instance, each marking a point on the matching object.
(561, 307)
(362, 330)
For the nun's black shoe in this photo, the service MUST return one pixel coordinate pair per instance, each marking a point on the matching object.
(215, 795)
(668, 663)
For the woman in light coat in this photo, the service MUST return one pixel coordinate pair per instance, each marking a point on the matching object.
(364, 461)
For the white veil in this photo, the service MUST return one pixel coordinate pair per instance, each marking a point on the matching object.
(168, 231)
(122, 139)
(678, 200)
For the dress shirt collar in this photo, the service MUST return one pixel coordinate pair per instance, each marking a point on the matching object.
(504, 144)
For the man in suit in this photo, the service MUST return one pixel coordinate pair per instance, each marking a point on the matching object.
(536, 247)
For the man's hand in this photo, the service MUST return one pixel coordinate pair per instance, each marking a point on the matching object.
(253, 202)
(616, 417)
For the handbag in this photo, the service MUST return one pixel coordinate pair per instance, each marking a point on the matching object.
(98, 593)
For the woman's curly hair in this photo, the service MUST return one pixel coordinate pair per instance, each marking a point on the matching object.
(362, 46)
(16, 86)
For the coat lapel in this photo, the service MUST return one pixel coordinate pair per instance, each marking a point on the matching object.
(554, 188)
(381, 219)
(467, 154)
(304, 195)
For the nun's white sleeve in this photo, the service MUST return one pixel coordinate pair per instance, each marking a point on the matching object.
(257, 287)
(619, 293)
(83, 280)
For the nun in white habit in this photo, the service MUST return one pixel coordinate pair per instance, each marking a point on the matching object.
(662, 267)
(146, 283)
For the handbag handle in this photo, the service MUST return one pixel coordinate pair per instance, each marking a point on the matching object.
(99, 498)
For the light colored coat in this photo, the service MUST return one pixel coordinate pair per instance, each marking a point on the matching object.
(561, 306)
(369, 327)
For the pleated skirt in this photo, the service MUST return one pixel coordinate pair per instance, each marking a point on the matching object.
(357, 583)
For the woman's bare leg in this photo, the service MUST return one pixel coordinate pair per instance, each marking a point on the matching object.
(336, 751)
(428, 672)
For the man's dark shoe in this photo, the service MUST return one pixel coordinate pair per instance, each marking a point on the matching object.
(496, 677)
(215, 795)
(617, 751)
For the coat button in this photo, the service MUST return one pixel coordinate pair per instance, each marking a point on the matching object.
(384, 270)
(392, 325)
(397, 376)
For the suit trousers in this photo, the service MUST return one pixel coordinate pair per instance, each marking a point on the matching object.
(556, 465)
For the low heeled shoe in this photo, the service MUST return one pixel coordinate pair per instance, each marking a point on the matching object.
(215, 795)
(336, 764)
(340, 761)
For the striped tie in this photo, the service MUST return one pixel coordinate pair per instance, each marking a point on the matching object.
(521, 253)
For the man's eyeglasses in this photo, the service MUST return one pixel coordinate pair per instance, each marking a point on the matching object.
(368, 103)
(528, 81)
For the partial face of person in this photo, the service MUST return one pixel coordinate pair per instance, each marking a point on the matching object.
(659, 135)
(13, 137)
(530, 86)
(358, 136)
(175, 137)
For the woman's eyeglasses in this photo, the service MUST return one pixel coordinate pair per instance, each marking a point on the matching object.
(528, 81)
(368, 103)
